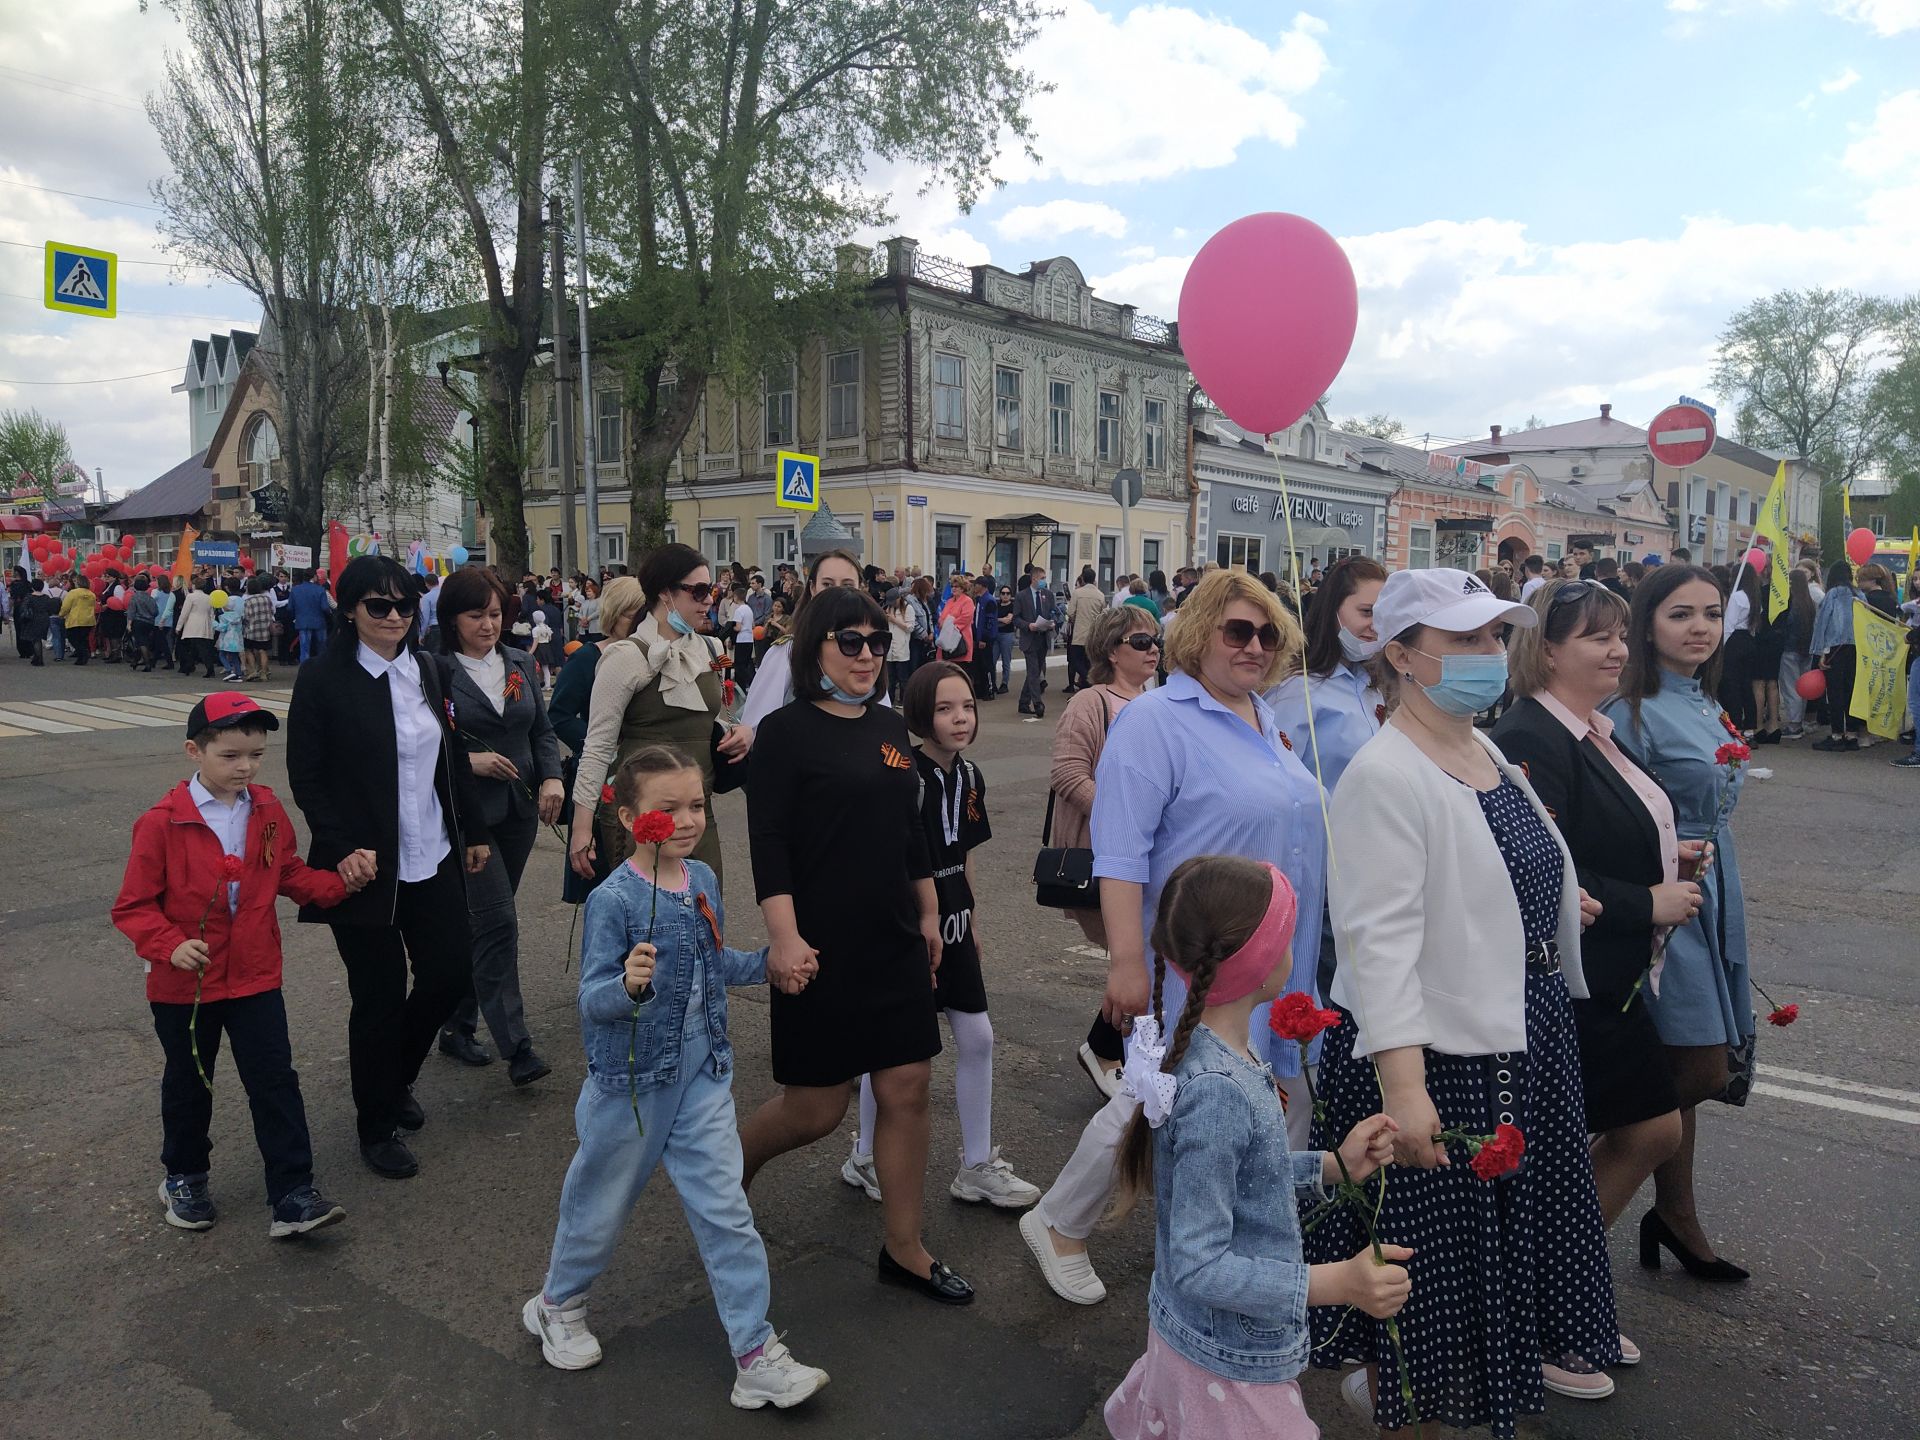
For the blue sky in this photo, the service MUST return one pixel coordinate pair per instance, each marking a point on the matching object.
(1548, 205)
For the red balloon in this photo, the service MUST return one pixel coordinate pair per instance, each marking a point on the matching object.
(126, 542)
(1757, 558)
(1812, 685)
(117, 602)
(39, 547)
(1860, 545)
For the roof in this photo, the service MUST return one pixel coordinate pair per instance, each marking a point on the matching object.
(1594, 432)
(1766, 462)
(184, 490)
(215, 357)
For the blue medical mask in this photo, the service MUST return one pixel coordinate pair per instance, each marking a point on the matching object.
(678, 625)
(1468, 683)
(836, 693)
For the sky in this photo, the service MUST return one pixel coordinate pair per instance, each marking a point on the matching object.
(1547, 204)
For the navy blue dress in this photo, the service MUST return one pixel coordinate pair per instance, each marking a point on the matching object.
(1505, 1272)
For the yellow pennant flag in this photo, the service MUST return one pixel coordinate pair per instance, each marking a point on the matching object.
(1913, 555)
(1771, 525)
(1846, 510)
(1880, 682)
(183, 558)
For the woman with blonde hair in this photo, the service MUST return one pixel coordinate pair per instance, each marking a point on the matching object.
(620, 605)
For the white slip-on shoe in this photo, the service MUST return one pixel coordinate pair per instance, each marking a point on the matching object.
(994, 1183)
(562, 1332)
(1629, 1352)
(1106, 1081)
(1071, 1277)
(1592, 1385)
(860, 1174)
(1358, 1395)
(776, 1378)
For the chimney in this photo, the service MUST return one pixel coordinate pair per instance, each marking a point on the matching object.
(1496, 436)
(1606, 412)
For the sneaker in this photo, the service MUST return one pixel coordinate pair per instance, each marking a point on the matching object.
(1909, 761)
(189, 1207)
(1106, 1081)
(305, 1209)
(776, 1378)
(525, 1065)
(562, 1332)
(1358, 1394)
(995, 1183)
(1070, 1277)
(860, 1174)
(1794, 732)
(1585, 1384)
(1832, 742)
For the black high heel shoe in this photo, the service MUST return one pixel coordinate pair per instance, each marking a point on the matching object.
(1655, 1232)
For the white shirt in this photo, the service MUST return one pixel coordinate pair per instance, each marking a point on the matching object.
(743, 624)
(1739, 610)
(489, 672)
(416, 742)
(229, 826)
(1526, 590)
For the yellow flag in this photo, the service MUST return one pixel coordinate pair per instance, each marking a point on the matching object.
(1846, 511)
(1772, 526)
(1880, 682)
(183, 558)
(1913, 554)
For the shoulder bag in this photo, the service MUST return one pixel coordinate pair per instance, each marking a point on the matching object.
(1062, 876)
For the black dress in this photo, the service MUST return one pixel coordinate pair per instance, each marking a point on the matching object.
(831, 820)
(1506, 1272)
(953, 817)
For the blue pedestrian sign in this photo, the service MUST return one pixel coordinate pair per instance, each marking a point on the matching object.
(81, 281)
(797, 481)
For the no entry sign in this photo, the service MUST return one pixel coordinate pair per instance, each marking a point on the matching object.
(1680, 435)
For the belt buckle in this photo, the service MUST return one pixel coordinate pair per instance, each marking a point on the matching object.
(1544, 957)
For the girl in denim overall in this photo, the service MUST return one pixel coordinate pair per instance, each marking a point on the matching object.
(659, 1090)
(1227, 1306)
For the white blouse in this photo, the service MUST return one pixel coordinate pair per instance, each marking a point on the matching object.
(489, 672)
(416, 743)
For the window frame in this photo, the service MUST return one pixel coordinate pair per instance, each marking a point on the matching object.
(948, 559)
(728, 528)
(1059, 418)
(1252, 550)
(1153, 433)
(1009, 407)
(950, 393)
(613, 538)
(1416, 545)
(850, 424)
(789, 395)
(1107, 438)
(607, 454)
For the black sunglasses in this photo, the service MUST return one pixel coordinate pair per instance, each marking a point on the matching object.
(851, 642)
(380, 606)
(1241, 633)
(701, 593)
(1143, 640)
(1571, 590)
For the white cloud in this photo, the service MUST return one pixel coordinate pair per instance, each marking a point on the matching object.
(1889, 148)
(1884, 17)
(1161, 90)
(1845, 80)
(1060, 217)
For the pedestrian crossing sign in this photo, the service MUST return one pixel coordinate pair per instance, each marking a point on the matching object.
(81, 281)
(797, 481)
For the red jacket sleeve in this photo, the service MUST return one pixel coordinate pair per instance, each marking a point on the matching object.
(139, 911)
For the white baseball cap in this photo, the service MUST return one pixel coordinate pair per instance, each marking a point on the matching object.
(1444, 599)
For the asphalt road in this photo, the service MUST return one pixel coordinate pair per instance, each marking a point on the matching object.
(405, 1320)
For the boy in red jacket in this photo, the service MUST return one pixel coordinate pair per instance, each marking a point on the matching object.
(197, 901)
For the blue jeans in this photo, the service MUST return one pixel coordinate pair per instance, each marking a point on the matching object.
(311, 641)
(690, 1128)
(1003, 653)
(230, 662)
(57, 637)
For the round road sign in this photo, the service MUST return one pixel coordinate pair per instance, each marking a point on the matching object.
(1680, 435)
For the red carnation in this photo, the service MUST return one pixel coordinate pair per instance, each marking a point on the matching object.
(1783, 1015)
(655, 827)
(1501, 1154)
(232, 867)
(1294, 1016)
(606, 794)
(1734, 752)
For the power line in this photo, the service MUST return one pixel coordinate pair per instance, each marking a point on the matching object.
(104, 380)
(69, 89)
(124, 310)
(123, 260)
(76, 195)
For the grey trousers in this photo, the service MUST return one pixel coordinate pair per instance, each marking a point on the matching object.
(1035, 648)
(495, 992)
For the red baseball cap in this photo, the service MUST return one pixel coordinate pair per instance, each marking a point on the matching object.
(226, 709)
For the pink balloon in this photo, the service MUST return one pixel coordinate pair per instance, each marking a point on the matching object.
(1267, 316)
(1757, 558)
(1860, 545)
(1811, 685)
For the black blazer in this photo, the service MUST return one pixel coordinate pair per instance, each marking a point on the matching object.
(1614, 840)
(523, 734)
(343, 765)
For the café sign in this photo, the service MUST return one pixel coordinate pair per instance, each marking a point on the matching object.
(1305, 507)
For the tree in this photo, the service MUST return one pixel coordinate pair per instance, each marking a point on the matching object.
(1897, 397)
(1800, 367)
(1379, 424)
(33, 450)
(744, 129)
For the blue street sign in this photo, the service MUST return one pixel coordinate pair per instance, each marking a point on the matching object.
(883, 514)
(216, 552)
(81, 281)
(918, 501)
(797, 481)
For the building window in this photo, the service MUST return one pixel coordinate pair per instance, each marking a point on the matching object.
(779, 397)
(1753, 507)
(214, 398)
(669, 396)
(1006, 408)
(949, 397)
(949, 554)
(720, 544)
(608, 436)
(553, 549)
(1109, 553)
(1553, 550)
(1154, 429)
(1878, 524)
(1149, 555)
(779, 545)
(1059, 557)
(1238, 552)
(843, 395)
(1059, 417)
(1419, 547)
(553, 433)
(613, 544)
(1309, 442)
(260, 458)
(1108, 438)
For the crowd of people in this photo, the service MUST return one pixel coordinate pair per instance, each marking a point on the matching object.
(1484, 820)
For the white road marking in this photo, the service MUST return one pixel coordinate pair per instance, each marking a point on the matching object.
(1837, 1102)
(1680, 437)
(24, 720)
(102, 712)
(1829, 1082)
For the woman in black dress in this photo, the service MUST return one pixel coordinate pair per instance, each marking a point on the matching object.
(841, 870)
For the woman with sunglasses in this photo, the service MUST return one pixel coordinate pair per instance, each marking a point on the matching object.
(1196, 767)
(1123, 652)
(391, 803)
(845, 884)
(657, 687)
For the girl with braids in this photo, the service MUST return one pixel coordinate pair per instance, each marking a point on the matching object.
(1227, 1307)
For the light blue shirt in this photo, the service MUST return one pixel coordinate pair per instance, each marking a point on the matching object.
(1346, 714)
(229, 826)
(1182, 775)
(429, 610)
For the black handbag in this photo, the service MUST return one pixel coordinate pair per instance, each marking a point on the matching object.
(1063, 877)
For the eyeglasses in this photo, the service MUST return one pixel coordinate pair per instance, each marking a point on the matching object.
(1241, 633)
(851, 642)
(380, 606)
(701, 593)
(1141, 640)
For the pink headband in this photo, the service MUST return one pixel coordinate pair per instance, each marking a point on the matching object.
(1247, 969)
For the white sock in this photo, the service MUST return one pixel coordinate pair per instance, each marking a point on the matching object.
(973, 1083)
(863, 1138)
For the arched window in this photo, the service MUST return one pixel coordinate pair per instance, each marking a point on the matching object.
(1309, 442)
(260, 453)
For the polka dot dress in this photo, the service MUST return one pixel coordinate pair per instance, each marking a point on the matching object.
(1504, 1272)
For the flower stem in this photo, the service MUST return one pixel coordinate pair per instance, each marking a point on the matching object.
(633, 1024)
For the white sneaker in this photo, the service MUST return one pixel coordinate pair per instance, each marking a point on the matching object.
(1070, 1277)
(1358, 1395)
(993, 1182)
(776, 1376)
(562, 1333)
(859, 1173)
(1106, 1081)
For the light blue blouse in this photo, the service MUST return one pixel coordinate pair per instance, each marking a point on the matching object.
(1346, 714)
(1182, 775)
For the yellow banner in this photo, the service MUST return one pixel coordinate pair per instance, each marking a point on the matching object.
(1880, 679)
(1771, 525)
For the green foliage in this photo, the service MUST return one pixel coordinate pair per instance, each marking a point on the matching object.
(1379, 424)
(33, 450)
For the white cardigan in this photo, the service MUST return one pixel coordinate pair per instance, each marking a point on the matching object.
(1425, 921)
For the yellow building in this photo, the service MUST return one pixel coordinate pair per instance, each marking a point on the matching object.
(985, 431)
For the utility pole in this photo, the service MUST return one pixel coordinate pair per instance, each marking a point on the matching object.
(563, 390)
(589, 420)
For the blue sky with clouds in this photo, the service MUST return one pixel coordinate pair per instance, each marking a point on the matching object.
(1548, 205)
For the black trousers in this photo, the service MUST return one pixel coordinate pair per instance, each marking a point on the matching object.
(1842, 660)
(257, 1027)
(80, 641)
(1076, 665)
(390, 1028)
(980, 669)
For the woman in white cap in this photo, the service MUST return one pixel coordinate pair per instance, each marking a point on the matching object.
(1457, 917)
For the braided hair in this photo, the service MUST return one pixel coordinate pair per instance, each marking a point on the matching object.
(1210, 907)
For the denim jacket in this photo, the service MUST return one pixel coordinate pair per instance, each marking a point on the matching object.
(685, 933)
(1229, 1287)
